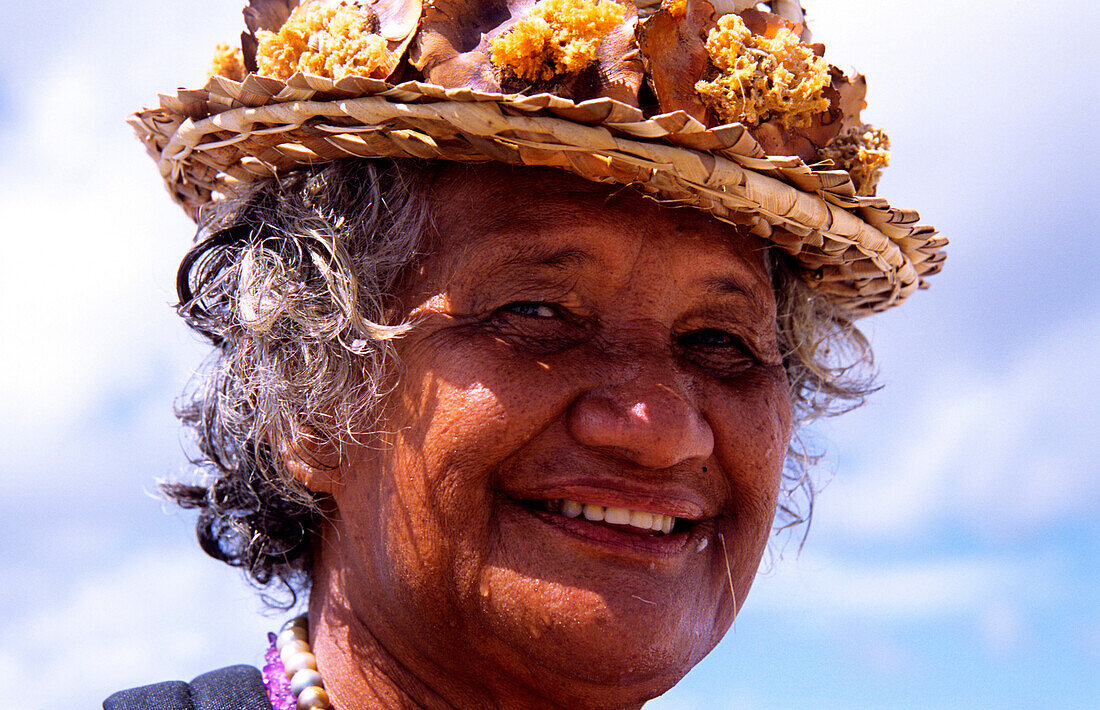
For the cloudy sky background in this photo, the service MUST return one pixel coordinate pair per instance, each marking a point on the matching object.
(953, 557)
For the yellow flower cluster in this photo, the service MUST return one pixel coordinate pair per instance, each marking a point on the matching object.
(228, 62)
(863, 151)
(557, 37)
(763, 78)
(327, 39)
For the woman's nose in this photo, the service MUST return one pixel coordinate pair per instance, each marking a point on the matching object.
(645, 418)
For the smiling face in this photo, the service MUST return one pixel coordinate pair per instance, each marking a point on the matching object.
(581, 457)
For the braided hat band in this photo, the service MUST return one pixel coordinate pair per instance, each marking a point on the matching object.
(454, 81)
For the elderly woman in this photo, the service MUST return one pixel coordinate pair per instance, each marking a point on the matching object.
(515, 307)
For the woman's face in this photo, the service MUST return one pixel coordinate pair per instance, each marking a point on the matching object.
(576, 346)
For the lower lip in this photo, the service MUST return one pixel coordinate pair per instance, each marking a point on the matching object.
(625, 540)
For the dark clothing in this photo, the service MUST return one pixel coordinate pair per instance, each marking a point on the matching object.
(232, 688)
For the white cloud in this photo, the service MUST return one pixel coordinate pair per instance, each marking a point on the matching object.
(90, 354)
(90, 240)
(879, 652)
(1001, 627)
(999, 451)
(829, 589)
(162, 614)
(86, 297)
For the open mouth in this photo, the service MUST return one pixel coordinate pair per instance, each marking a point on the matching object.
(623, 520)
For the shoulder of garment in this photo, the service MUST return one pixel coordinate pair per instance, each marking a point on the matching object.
(231, 688)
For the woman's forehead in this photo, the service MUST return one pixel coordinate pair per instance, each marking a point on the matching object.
(491, 216)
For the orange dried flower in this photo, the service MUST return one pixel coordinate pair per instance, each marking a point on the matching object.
(228, 62)
(763, 78)
(557, 37)
(333, 40)
(863, 151)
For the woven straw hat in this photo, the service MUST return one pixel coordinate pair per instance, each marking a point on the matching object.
(656, 95)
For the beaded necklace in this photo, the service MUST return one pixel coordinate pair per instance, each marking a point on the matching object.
(290, 670)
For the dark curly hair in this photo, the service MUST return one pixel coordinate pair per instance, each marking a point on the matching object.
(292, 282)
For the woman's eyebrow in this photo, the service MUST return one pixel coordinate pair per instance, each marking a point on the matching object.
(564, 257)
(732, 285)
(727, 285)
(536, 255)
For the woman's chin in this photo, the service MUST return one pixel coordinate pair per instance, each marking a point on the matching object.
(599, 605)
(604, 631)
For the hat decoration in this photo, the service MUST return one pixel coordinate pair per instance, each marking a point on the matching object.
(714, 104)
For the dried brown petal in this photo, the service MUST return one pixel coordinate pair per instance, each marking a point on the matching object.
(672, 42)
(791, 10)
(803, 141)
(767, 24)
(398, 19)
(619, 65)
(452, 48)
(853, 93)
(268, 15)
(725, 7)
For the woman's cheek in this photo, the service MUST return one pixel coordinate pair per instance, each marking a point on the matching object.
(752, 418)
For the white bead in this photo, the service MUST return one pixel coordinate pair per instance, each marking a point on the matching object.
(313, 697)
(304, 679)
(299, 661)
(294, 633)
(293, 647)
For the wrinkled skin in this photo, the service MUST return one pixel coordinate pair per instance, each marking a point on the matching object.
(573, 342)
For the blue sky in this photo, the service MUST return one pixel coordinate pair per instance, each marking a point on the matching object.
(953, 557)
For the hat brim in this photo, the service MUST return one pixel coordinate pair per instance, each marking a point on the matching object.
(865, 255)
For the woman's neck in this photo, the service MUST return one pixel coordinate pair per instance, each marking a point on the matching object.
(360, 673)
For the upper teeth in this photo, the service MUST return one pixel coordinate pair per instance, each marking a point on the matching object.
(616, 516)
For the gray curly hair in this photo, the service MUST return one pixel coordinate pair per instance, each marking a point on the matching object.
(292, 283)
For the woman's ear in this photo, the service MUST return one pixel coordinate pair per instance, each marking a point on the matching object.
(312, 460)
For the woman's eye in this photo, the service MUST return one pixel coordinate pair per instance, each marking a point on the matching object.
(715, 350)
(533, 309)
(709, 338)
(537, 327)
